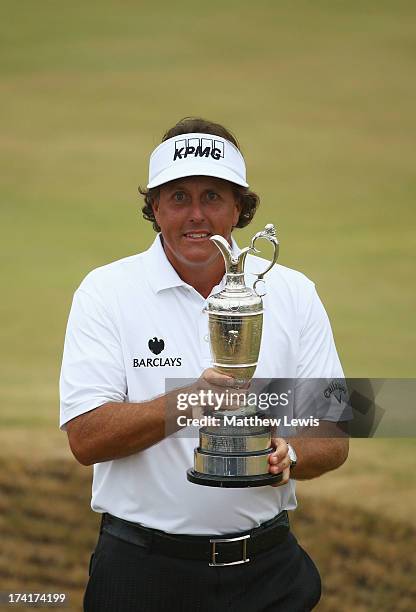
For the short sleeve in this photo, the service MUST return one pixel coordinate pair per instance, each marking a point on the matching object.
(92, 370)
(318, 357)
(321, 390)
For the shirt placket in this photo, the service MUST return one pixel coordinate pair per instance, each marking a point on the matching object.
(203, 334)
(203, 328)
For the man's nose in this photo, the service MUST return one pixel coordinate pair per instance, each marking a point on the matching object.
(196, 211)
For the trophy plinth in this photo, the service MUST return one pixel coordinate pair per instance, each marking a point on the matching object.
(231, 455)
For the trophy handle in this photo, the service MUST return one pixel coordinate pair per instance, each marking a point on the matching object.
(269, 233)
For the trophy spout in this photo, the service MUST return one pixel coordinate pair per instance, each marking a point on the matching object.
(234, 263)
(225, 250)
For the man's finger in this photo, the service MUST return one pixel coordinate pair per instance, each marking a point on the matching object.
(212, 377)
(275, 468)
(285, 478)
(280, 452)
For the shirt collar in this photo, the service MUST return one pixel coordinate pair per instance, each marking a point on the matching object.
(160, 272)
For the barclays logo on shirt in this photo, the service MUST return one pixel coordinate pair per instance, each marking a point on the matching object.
(156, 345)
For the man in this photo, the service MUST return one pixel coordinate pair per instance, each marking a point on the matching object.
(141, 320)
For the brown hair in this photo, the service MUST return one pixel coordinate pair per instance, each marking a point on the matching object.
(248, 200)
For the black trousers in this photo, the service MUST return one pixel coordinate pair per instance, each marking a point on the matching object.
(129, 578)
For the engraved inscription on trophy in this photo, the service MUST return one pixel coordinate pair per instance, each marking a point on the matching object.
(232, 339)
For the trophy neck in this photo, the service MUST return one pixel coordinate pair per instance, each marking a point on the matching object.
(234, 281)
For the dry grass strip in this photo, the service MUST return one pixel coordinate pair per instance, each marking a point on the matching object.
(48, 532)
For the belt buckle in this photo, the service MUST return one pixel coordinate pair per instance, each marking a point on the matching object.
(214, 542)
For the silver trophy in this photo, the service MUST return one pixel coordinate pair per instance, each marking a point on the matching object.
(236, 455)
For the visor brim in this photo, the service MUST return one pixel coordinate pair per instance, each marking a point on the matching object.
(171, 174)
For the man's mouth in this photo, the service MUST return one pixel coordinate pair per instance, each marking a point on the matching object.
(197, 235)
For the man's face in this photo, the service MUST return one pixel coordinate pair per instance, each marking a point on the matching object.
(191, 210)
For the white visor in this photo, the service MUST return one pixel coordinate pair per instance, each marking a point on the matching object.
(193, 155)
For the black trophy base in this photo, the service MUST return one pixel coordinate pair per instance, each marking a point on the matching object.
(232, 482)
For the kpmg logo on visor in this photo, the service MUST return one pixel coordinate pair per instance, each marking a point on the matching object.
(198, 147)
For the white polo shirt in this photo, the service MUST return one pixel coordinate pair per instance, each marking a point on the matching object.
(116, 310)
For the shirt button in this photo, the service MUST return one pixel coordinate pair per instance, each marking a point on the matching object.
(206, 338)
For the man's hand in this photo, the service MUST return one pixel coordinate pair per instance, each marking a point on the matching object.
(318, 449)
(211, 378)
(220, 385)
(279, 461)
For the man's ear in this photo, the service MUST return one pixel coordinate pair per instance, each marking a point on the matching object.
(237, 212)
(155, 206)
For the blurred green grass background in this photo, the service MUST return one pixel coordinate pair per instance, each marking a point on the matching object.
(321, 96)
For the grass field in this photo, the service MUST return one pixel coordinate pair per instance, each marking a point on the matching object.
(322, 98)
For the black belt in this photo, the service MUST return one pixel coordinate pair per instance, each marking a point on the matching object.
(230, 549)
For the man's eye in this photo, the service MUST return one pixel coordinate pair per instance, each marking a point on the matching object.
(179, 196)
(211, 195)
